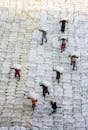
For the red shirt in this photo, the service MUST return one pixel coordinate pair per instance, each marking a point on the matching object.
(17, 72)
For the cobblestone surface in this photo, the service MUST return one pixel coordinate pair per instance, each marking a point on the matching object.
(19, 23)
(18, 20)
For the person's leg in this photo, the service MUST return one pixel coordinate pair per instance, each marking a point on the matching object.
(62, 28)
(42, 41)
(45, 39)
(18, 75)
(48, 92)
(44, 93)
(54, 111)
(44, 36)
(74, 65)
(33, 106)
(61, 49)
(58, 76)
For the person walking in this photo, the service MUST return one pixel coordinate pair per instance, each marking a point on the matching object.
(54, 107)
(34, 102)
(73, 61)
(63, 24)
(58, 76)
(45, 90)
(44, 38)
(17, 74)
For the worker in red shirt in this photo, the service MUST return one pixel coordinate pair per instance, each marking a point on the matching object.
(34, 102)
(63, 44)
(17, 73)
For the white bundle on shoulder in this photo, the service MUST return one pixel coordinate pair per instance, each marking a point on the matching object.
(31, 94)
(75, 53)
(17, 66)
(44, 28)
(46, 83)
(59, 69)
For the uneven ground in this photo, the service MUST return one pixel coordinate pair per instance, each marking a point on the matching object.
(20, 43)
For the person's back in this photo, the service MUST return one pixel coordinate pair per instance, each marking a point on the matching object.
(45, 90)
(73, 61)
(63, 22)
(63, 25)
(54, 106)
(43, 36)
(73, 58)
(58, 76)
(17, 73)
(63, 46)
(34, 101)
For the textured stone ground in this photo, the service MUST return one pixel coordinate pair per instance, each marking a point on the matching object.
(16, 27)
(20, 43)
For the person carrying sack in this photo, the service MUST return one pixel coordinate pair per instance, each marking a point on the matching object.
(34, 102)
(45, 90)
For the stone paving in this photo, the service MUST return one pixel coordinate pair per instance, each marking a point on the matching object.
(20, 43)
(16, 27)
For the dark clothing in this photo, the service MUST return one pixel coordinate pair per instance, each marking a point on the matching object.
(73, 61)
(44, 38)
(45, 90)
(54, 106)
(74, 64)
(63, 25)
(17, 73)
(58, 76)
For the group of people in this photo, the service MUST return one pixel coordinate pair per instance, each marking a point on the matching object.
(73, 59)
(44, 87)
(52, 103)
(62, 46)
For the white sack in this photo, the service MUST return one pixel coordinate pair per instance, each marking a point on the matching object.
(32, 94)
(43, 28)
(75, 53)
(17, 66)
(46, 83)
(59, 69)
